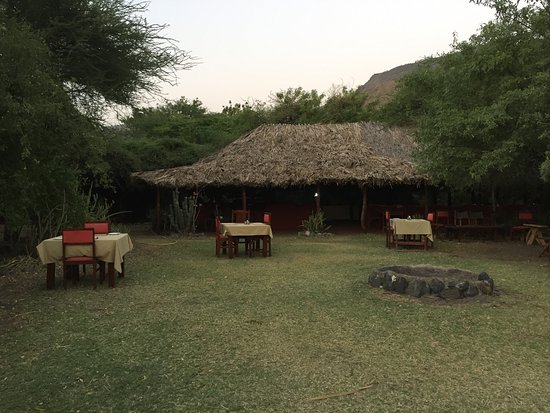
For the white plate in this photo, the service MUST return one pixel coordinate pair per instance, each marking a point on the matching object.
(114, 233)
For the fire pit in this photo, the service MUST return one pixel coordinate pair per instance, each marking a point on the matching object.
(419, 280)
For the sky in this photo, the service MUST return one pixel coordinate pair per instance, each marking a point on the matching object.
(247, 50)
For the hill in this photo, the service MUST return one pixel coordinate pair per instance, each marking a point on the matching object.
(381, 85)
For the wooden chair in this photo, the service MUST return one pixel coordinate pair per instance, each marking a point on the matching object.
(222, 242)
(84, 240)
(523, 217)
(267, 220)
(240, 215)
(100, 227)
(388, 230)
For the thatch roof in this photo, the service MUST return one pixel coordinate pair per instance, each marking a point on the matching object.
(298, 155)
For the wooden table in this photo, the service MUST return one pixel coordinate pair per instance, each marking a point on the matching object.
(416, 232)
(535, 233)
(110, 248)
(233, 231)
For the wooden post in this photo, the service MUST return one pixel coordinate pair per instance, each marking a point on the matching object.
(157, 211)
(364, 209)
(243, 192)
(318, 199)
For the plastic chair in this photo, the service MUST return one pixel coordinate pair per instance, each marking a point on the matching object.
(84, 241)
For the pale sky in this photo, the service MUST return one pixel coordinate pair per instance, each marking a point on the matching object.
(249, 49)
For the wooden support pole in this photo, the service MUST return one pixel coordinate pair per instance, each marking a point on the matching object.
(243, 193)
(157, 210)
(318, 198)
(364, 209)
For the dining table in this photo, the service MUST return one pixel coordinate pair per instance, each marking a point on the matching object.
(416, 232)
(109, 248)
(233, 231)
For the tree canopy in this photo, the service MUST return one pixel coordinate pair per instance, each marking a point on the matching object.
(481, 111)
(62, 62)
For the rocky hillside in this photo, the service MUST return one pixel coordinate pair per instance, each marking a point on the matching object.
(381, 85)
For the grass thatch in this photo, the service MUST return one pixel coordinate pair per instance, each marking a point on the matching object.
(297, 155)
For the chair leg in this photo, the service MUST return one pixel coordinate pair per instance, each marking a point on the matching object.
(94, 275)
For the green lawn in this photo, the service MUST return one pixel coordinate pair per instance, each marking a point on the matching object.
(300, 331)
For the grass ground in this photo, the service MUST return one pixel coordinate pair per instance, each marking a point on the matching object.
(300, 331)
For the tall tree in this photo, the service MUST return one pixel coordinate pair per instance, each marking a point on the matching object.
(482, 110)
(62, 60)
(106, 51)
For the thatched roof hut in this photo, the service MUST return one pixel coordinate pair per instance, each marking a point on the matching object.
(297, 155)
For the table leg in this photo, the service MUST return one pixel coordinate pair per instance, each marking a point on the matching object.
(111, 273)
(264, 245)
(230, 245)
(50, 276)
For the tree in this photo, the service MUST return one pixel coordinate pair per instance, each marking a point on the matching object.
(106, 52)
(295, 106)
(62, 61)
(46, 144)
(481, 111)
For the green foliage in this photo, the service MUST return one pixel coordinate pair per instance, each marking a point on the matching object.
(481, 111)
(315, 223)
(104, 49)
(295, 106)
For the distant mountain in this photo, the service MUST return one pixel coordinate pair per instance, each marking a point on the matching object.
(381, 85)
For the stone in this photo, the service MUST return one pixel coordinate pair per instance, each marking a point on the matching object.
(436, 286)
(486, 287)
(388, 282)
(462, 287)
(471, 291)
(400, 284)
(418, 288)
(375, 280)
(483, 276)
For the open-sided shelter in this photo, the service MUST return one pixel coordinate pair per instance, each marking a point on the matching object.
(284, 156)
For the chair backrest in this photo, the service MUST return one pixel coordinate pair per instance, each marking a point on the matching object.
(430, 217)
(525, 216)
(387, 217)
(442, 217)
(240, 215)
(476, 217)
(218, 226)
(78, 236)
(462, 218)
(100, 227)
(267, 218)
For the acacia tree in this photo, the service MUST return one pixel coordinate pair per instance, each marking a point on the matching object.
(62, 62)
(481, 111)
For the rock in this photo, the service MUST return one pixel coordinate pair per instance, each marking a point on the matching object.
(486, 287)
(436, 286)
(400, 284)
(417, 288)
(388, 282)
(375, 280)
(483, 276)
(471, 291)
(462, 287)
